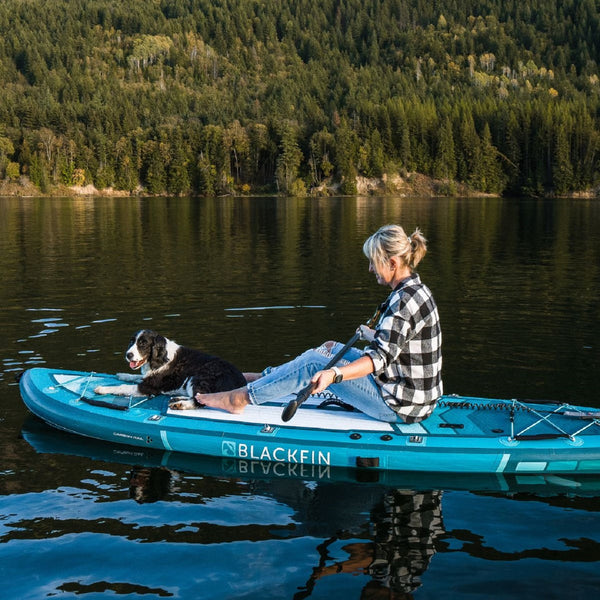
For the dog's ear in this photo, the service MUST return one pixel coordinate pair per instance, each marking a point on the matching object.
(158, 352)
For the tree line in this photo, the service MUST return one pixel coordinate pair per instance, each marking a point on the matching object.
(222, 96)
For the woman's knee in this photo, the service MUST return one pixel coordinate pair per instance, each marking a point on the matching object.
(312, 360)
(327, 348)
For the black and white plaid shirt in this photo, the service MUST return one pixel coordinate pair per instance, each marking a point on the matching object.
(407, 351)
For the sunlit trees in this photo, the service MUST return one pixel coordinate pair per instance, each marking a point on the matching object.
(6, 151)
(213, 98)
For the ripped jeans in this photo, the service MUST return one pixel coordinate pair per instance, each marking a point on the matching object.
(363, 393)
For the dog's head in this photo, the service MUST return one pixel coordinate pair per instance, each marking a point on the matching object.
(147, 348)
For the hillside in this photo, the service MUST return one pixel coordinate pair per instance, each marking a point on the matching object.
(222, 96)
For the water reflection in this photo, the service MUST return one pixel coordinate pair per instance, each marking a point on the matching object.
(403, 530)
(384, 535)
(387, 535)
(148, 484)
(406, 526)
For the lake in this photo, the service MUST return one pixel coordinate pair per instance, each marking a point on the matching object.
(257, 281)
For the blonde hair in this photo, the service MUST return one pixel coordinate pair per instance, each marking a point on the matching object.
(391, 240)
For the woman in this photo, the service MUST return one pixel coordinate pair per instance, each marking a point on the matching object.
(398, 376)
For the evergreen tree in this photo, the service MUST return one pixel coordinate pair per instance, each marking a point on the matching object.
(488, 173)
(562, 171)
(444, 166)
(346, 154)
(126, 176)
(6, 151)
(321, 150)
(512, 149)
(468, 156)
(375, 159)
(155, 168)
(179, 182)
(289, 161)
(236, 139)
(215, 152)
(405, 152)
(38, 172)
(258, 153)
(206, 176)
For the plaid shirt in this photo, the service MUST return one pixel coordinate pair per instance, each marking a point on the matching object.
(407, 351)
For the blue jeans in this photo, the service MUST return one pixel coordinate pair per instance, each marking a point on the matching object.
(363, 394)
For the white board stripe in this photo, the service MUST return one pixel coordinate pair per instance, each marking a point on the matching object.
(531, 466)
(165, 441)
(503, 463)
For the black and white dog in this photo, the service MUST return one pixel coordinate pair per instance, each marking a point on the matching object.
(174, 370)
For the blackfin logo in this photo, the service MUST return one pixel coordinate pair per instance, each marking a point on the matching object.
(229, 448)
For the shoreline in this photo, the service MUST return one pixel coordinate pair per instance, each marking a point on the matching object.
(393, 185)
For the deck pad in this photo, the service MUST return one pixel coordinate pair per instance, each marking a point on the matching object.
(453, 417)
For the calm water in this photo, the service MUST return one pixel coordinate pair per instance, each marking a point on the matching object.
(257, 281)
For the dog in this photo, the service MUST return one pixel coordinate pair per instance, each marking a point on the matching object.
(174, 370)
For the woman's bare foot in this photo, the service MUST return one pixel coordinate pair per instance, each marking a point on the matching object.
(251, 376)
(233, 402)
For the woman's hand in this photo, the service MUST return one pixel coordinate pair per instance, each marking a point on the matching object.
(366, 333)
(360, 367)
(322, 380)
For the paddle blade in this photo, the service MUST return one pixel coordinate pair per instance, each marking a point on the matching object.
(289, 411)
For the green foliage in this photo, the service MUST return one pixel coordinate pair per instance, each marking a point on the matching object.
(444, 166)
(289, 161)
(212, 97)
(488, 175)
(12, 171)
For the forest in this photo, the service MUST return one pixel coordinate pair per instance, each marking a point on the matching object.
(251, 96)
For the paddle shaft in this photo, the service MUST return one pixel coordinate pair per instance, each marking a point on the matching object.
(290, 410)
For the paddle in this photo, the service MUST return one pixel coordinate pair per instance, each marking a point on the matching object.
(290, 410)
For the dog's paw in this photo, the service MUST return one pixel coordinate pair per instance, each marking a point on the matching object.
(102, 389)
(183, 404)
